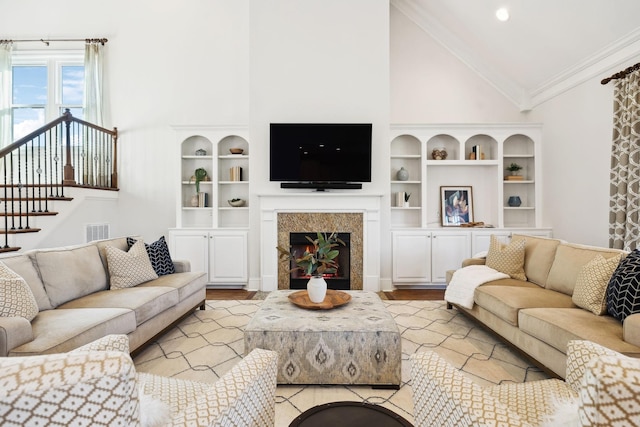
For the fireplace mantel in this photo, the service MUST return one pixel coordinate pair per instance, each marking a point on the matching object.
(272, 204)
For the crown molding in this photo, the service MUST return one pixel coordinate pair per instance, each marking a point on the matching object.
(615, 54)
(513, 92)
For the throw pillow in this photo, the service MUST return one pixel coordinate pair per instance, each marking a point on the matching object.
(623, 291)
(159, 255)
(128, 269)
(16, 298)
(507, 259)
(591, 284)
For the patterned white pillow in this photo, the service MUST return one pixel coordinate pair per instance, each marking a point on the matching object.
(16, 298)
(590, 291)
(507, 259)
(128, 269)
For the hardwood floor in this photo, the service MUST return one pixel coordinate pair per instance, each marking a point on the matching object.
(398, 294)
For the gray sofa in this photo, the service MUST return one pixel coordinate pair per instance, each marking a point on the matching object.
(76, 305)
(538, 316)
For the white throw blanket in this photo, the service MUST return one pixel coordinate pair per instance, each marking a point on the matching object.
(465, 281)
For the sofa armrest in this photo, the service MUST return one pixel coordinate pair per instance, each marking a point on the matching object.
(473, 261)
(111, 342)
(442, 395)
(631, 329)
(247, 392)
(14, 331)
(579, 354)
(182, 265)
(90, 386)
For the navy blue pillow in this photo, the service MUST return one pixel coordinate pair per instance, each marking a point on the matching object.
(159, 256)
(623, 291)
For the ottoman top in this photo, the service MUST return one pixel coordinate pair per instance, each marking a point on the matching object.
(365, 312)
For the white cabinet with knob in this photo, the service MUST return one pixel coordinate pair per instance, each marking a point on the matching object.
(222, 254)
(423, 256)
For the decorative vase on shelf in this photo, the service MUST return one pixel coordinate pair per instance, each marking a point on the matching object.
(194, 201)
(514, 201)
(439, 153)
(403, 174)
(317, 289)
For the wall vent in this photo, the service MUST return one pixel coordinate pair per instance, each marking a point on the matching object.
(97, 232)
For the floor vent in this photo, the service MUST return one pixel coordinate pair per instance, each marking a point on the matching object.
(97, 232)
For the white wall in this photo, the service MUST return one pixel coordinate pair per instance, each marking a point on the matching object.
(168, 63)
(318, 61)
(576, 153)
(213, 62)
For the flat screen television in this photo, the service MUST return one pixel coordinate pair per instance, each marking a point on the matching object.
(320, 155)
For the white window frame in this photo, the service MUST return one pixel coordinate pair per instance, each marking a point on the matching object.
(54, 60)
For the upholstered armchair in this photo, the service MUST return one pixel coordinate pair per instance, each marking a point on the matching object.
(602, 389)
(97, 384)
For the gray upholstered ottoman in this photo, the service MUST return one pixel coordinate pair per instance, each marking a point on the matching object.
(357, 343)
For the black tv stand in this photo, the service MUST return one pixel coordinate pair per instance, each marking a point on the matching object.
(322, 186)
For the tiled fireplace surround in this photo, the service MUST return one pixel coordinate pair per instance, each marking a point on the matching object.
(310, 212)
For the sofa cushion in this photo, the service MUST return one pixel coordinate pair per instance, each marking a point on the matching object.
(539, 253)
(557, 326)
(62, 330)
(23, 265)
(128, 269)
(591, 284)
(506, 301)
(16, 298)
(569, 260)
(186, 283)
(145, 302)
(623, 292)
(508, 259)
(159, 255)
(70, 272)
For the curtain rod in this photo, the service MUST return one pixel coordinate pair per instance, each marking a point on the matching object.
(621, 74)
(47, 41)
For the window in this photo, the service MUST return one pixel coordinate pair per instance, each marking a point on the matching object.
(43, 85)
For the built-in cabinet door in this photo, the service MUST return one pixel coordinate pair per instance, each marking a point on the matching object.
(411, 256)
(448, 249)
(228, 257)
(222, 254)
(191, 245)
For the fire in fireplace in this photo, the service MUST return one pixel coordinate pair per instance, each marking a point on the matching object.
(340, 280)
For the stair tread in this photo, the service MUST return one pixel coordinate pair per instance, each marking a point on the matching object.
(20, 230)
(10, 249)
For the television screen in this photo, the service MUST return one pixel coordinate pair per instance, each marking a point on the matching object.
(320, 152)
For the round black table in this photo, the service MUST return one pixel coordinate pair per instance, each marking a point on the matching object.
(351, 414)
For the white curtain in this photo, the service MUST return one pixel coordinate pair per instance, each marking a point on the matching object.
(93, 155)
(5, 94)
(93, 95)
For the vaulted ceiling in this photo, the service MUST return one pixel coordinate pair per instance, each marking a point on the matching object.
(543, 49)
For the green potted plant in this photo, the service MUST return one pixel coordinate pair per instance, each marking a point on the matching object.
(199, 175)
(319, 258)
(514, 168)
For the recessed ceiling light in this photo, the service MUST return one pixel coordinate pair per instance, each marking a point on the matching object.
(502, 14)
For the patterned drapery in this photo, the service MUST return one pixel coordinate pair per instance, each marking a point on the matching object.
(624, 203)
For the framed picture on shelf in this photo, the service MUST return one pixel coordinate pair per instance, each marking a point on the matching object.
(456, 206)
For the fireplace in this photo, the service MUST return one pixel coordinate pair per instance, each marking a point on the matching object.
(340, 280)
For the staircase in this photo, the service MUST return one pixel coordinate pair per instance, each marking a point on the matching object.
(36, 170)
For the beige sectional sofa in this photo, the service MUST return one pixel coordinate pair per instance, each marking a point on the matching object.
(71, 286)
(538, 316)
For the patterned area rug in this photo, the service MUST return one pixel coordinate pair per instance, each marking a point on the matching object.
(208, 343)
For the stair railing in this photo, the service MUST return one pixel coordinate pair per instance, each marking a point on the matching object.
(65, 152)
